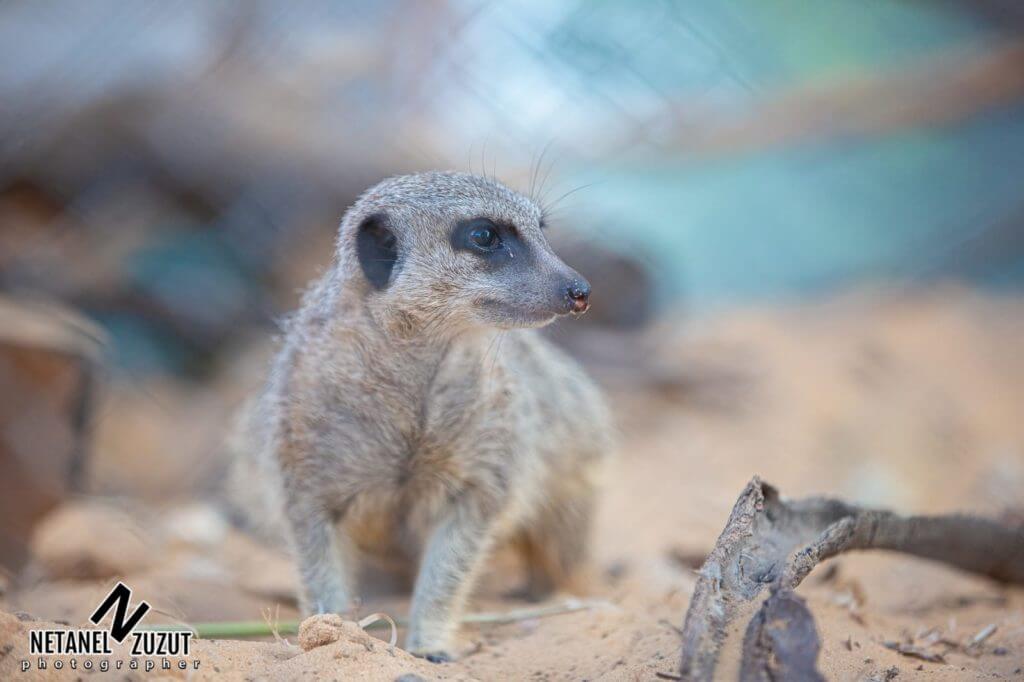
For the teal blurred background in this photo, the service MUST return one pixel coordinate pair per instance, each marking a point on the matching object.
(176, 169)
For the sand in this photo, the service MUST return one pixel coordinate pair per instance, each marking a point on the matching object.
(911, 401)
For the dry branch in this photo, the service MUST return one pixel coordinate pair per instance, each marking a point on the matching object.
(769, 541)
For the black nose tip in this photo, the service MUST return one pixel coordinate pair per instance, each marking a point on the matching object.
(579, 296)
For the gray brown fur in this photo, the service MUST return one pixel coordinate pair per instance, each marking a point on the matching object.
(420, 419)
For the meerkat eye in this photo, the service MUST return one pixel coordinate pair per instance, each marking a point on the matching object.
(485, 237)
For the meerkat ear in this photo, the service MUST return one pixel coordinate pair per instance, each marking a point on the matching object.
(377, 249)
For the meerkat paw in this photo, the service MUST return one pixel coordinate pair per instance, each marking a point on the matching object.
(434, 649)
(435, 656)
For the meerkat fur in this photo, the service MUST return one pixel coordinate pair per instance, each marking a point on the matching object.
(413, 412)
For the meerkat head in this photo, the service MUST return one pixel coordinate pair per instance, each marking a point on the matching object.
(453, 250)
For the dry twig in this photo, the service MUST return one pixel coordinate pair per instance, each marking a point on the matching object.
(769, 541)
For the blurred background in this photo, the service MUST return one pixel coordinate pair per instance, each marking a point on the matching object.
(176, 170)
(804, 223)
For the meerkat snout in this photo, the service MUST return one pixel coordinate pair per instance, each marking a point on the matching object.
(578, 293)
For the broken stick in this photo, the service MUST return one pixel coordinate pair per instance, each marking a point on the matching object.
(769, 541)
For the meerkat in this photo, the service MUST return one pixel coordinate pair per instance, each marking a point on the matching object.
(412, 409)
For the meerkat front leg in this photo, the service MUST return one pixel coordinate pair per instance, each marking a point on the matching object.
(454, 553)
(324, 557)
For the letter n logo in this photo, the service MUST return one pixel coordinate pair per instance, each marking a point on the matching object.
(120, 626)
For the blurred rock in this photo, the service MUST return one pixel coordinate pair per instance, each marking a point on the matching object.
(155, 439)
(196, 525)
(261, 571)
(624, 289)
(91, 540)
(613, 340)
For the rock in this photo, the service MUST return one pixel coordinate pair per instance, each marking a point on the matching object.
(91, 540)
(327, 628)
(196, 525)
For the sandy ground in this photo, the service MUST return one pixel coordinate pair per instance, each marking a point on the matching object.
(909, 401)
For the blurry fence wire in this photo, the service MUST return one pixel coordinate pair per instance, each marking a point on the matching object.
(176, 169)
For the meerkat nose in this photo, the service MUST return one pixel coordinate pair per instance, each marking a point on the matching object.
(578, 293)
